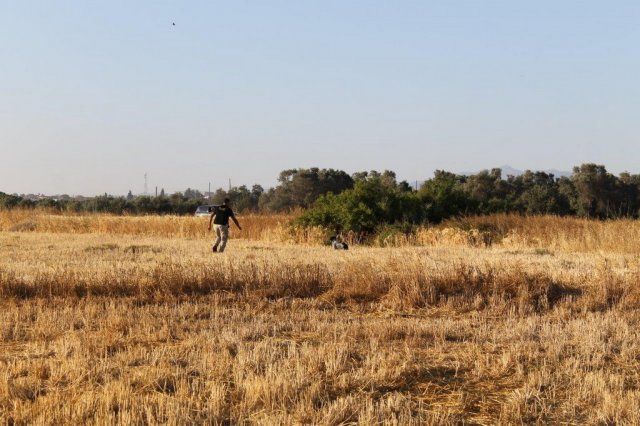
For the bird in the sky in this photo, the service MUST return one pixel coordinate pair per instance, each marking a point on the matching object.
(174, 24)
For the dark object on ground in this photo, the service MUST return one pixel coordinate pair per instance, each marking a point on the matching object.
(338, 244)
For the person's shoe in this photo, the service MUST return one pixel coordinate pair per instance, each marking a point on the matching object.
(214, 248)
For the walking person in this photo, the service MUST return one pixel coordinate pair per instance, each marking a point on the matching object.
(220, 219)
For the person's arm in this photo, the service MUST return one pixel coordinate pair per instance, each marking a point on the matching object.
(236, 222)
(211, 220)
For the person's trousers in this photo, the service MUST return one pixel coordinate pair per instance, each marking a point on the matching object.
(222, 235)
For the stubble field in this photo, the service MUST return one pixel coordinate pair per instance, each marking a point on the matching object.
(499, 320)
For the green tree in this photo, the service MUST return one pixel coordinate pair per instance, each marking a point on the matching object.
(487, 192)
(443, 196)
(300, 188)
(370, 204)
(193, 193)
(538, 193)
(630, 187)
(597, 193)
(9, 201)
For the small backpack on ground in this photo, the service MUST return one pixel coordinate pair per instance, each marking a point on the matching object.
(338, 244)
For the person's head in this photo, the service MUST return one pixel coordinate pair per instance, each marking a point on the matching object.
(227, 201)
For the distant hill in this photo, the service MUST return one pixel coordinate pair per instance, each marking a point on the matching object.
(507, 170)
(559, 173)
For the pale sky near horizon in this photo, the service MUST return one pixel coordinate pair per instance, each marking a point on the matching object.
(95, 94)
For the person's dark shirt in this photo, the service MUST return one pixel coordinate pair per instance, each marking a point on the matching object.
(222, 215)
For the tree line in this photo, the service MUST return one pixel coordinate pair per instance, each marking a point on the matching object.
(376, 201)
(363, 201)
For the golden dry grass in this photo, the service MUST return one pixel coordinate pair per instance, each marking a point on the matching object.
(101, 322)
(256, 227)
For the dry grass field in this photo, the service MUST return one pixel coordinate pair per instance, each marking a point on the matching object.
(497, 320)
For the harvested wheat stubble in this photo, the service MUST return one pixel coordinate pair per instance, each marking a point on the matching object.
(228, 358)
(156, 329)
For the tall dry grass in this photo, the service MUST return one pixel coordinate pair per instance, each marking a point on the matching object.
(102, 323)
(255, 227)
(54, 265)
(556, 233)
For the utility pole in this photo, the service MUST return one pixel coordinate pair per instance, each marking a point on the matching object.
(209, 192)
(145, 183)
(156, 191)
(229, 184)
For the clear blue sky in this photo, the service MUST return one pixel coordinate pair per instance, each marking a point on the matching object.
(95, 94)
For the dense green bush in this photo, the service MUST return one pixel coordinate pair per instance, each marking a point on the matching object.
(369, 204)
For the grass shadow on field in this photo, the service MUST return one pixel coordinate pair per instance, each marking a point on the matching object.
(102, 248)
(558, 292)
(412, 380)
(26, 226)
